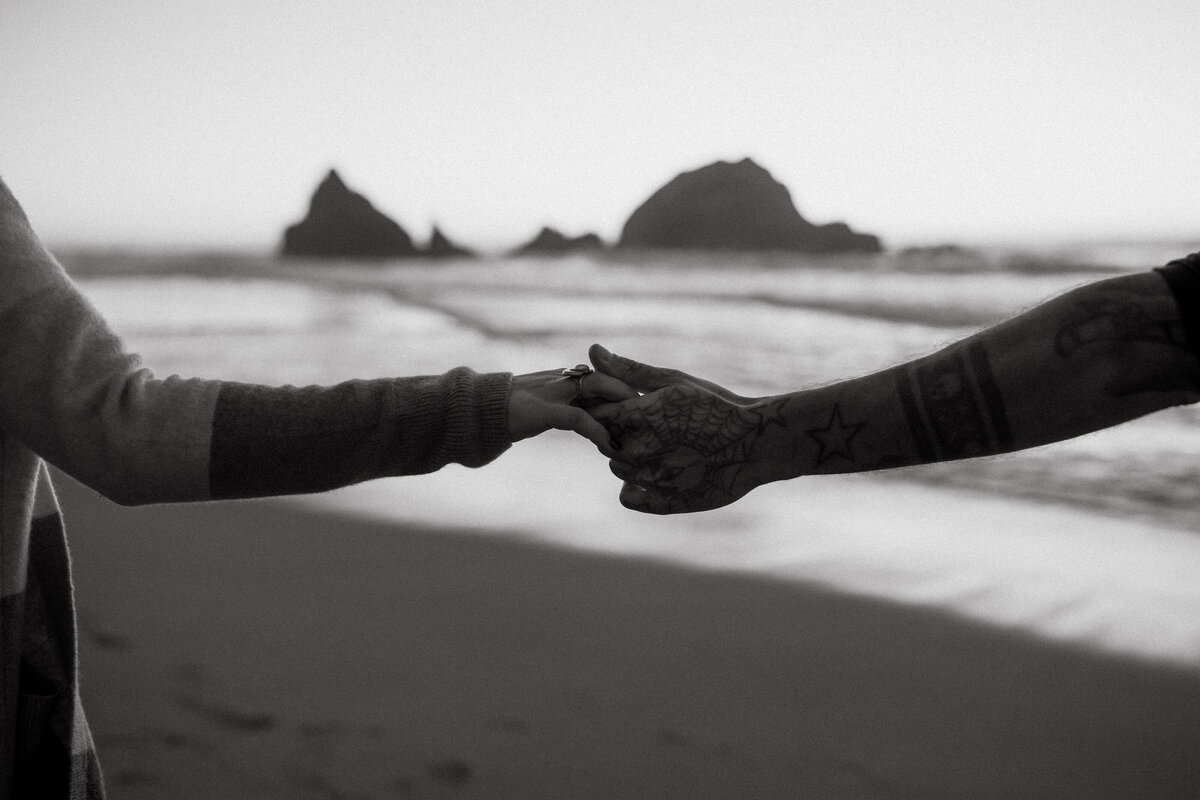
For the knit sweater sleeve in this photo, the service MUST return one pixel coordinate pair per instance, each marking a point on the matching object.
(284, 440)
(72, 394)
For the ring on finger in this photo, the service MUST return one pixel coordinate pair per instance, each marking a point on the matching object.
(576, 373)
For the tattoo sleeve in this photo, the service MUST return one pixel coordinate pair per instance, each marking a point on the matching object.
(1099, 355)
(1095, 357)
(953, 406)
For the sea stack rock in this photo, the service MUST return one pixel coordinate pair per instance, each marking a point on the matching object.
(551, 242)
(344, 223)
(727, 206)
(441, 247)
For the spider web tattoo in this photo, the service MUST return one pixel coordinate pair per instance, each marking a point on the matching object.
(699, 446)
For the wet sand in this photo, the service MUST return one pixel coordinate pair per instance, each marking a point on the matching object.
(268, 650)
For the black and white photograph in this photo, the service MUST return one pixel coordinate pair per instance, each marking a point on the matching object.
(529, 400)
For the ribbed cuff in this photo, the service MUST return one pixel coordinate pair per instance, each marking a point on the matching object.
(493, 391)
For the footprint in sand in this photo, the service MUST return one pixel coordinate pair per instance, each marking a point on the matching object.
(230, 719)
(111, 641)
(103, 639)
(451, 772)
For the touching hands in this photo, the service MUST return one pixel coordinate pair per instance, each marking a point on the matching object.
(544, 400)
(687, 444)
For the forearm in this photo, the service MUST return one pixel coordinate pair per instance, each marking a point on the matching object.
(1095, 357)
(73, 395)
(288, 440)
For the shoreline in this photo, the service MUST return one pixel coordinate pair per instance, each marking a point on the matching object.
(1068, 574)
(268, 649)
(296, 327)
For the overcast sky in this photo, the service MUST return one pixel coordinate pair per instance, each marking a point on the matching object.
(209, 123)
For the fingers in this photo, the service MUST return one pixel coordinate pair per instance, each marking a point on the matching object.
(647, 378)
(620, 420)
(598, 387)
(607, 412)
(590, 389)
(647, 501)
(570, 418)
(636, 374)
(542, 400)
(627, 428)
(638, 490)
(626, 472)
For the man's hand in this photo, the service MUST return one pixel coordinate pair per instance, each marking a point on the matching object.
(686, 444)
(544, 400)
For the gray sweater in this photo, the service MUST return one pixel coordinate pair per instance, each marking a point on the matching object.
(71, 395)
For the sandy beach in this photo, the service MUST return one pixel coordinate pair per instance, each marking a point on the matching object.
(265, 649)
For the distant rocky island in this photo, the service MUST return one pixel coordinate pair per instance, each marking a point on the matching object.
(343, 223)
(441, 247)
(723, 206)
(552, 242)
(734, 206)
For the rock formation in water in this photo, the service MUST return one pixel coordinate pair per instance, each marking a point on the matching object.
(727, 206)
(944, 257)
(441, 247)
(341, 222)
(944, 250)
(551, 242)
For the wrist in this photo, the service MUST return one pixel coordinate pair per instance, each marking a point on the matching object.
(844, 427)
(777, 453)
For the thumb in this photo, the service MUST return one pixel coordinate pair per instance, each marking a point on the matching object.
(642, 377)
(647, 501)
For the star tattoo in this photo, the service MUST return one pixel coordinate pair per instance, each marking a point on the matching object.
(835, 438)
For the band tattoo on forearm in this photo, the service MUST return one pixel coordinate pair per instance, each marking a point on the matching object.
(953, 406)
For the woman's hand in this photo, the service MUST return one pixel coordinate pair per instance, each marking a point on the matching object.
(544, 400)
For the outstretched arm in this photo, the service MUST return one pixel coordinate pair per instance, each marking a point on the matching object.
(72, 394)
(1092, 358)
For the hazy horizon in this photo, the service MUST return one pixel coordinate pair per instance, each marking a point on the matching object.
(208, 125)
(1012, 241)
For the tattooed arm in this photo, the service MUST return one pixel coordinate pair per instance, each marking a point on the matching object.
(1095, 357)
